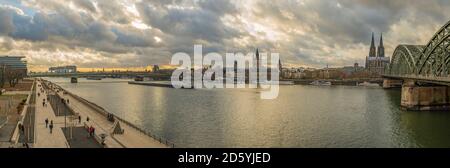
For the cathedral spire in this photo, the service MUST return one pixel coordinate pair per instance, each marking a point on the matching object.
(257, 54)
(372, 44)
(257, 68)
(373, 51)
(381, 40)
(381, 47)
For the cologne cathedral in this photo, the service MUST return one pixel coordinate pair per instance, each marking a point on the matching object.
(377, 61)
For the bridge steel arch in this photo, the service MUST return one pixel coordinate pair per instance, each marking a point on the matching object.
(432, 59)
(404, 60)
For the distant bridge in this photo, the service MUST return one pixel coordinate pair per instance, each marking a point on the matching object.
(103, 74)
(423, 71)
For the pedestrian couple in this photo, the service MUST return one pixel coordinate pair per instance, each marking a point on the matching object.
(49, 126)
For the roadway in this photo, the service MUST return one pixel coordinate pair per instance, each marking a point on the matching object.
(424, 79)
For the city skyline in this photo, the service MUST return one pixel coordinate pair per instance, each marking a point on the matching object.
(143, 33)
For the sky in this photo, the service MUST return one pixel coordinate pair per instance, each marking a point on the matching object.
(138, 33)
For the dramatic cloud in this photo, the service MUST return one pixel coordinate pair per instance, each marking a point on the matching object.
(137, 33)
(86, 4)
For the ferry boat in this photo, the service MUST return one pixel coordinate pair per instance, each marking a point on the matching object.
(273, 82)
(73, 80)
(139, 78)
(368, 84)
(321, 83)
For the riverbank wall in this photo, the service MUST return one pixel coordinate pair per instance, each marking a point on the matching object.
(353, 82)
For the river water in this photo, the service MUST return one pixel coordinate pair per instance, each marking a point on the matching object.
(302, 116)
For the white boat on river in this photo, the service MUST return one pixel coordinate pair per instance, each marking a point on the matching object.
(321, 83)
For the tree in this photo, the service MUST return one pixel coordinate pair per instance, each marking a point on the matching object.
(2, 76)
(12, 76)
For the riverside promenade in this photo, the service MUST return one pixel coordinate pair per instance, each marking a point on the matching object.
(75, 135)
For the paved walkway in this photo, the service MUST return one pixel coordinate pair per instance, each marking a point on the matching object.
(43, 137)
(97, 121)
(78, 138)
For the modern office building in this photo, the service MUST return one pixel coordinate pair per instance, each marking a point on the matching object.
(14, 62)
(63, 69)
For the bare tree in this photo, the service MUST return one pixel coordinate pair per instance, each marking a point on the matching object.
(2, 76)
(13, 77)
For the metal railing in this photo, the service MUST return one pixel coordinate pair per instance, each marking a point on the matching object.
(148, 133)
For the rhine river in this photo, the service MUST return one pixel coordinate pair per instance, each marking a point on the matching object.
(302, 116)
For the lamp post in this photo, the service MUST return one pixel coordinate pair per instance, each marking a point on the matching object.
(65, 116)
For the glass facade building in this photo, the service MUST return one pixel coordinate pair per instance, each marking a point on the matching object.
(14, 62)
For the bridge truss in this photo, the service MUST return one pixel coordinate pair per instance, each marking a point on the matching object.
(431, 60)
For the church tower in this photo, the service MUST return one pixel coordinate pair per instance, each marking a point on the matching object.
(381, 47)
(280, 69)
(373, 51)
(257, 68)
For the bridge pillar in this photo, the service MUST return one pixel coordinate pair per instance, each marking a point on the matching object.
(424, 98)
(391, 83)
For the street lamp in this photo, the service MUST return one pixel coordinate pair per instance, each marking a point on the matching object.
(65, 118)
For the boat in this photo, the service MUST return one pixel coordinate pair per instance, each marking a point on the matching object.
(286, 82)
(368, 84)
(94, 78)
(273, 82)
(139, 78)
(73, 80)
(320, 83)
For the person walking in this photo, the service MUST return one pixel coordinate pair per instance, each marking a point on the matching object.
(90, 131)
(87, 119)
(20, 128)
(67, 101)
(79, 119)
(51, 126)
(46, 122)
